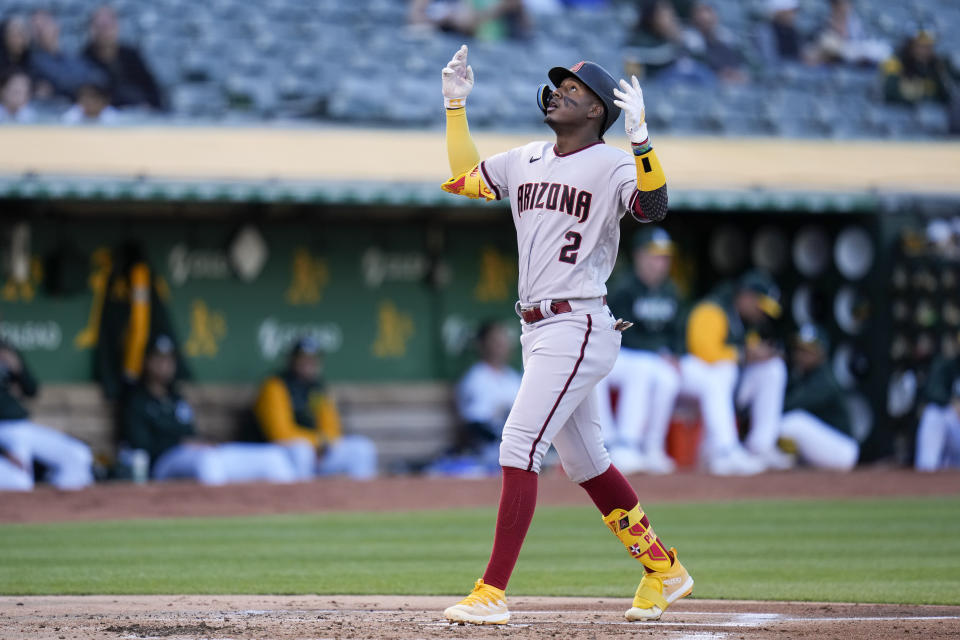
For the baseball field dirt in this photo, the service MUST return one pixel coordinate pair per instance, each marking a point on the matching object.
(408, 617)
(355, 617)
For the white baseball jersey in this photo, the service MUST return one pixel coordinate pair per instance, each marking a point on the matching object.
(567, 210)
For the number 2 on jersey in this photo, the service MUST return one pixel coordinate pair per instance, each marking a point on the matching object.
(568, 253)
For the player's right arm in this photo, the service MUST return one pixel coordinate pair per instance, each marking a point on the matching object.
(467, 179)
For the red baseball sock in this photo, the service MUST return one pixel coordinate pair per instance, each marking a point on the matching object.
(610, 490)
(518, 499)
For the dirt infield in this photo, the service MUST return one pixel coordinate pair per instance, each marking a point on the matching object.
(355, 617)
(407, 618)
(122, 501)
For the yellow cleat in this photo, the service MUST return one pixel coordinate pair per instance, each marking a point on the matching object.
(658, 590)
(484, 605)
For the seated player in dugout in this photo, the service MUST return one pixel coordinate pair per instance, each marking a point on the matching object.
(729, 365)
(816, 422)
(647, 371)
(67, 461)
(487, 390)
(938, 434)
(158, 420)
(295, 407)
(567, 198)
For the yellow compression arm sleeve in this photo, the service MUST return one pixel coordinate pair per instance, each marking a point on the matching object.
(274, 411)
(649, 172)
(707, 334)
(461, 151)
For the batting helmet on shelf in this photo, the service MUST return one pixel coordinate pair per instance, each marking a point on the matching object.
(594, 77)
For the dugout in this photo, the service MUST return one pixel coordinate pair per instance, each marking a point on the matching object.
(261, 235)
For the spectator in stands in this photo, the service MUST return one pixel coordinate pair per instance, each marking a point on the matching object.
(93, 103)
(843, 39)
(131, 82)
(916, 73)
(15, 98)
(732, 363)
(815, 417)
(68, 462)
(484, 19)
(714, 45)
(54, 72)
(938, 436)
(778, 38)
(658, 47)
(157, 419)
(15, 45)
(296, 408)
(486, 392)
(647, 370)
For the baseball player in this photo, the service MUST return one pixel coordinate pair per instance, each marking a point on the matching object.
(647, 371)
(68, 461)
(296, 409)
(567, 199)
(815, 415)
(158, 420)
(721, 336)
(938, 436)
(487, 390)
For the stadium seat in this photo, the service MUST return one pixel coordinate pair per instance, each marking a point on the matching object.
(290, 59)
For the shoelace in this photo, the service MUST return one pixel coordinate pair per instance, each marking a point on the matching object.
(479, 595)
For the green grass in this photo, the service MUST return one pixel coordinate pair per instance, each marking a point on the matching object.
(905, 550)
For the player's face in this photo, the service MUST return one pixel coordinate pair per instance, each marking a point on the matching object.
(807, 357)
(160, 367)
(306, 366)
(572, 104)
(748, 306)
(497, 346)
(652, 268)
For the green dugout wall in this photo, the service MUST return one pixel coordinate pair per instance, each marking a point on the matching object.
(390, 299)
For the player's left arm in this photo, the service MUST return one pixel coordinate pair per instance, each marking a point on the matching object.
(648, 203)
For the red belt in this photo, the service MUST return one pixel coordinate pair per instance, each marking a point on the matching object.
(533, 314)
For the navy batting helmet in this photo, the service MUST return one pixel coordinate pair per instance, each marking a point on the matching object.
(594, 77)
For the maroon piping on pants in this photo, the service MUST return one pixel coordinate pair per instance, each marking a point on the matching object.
(583, 348)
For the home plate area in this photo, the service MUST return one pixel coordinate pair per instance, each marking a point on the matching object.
(415, 617)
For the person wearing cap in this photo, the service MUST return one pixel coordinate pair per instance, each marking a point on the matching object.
(729, 365)
(915, 73)
(815, 416)
(487, 390)
(68, 461)
(296, 409)
(647, 370)
(158, 420)
(567, 197)
(938, 435)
